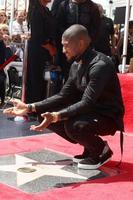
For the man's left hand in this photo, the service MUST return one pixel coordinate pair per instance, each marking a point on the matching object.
(48, 119)
(51, 48)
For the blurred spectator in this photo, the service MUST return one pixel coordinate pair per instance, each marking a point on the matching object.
(17, 46)
(7, 39)
(19, 26)
(129, 46)
(115, 57)
(116, 34)
(3, 17)
(16, 38)
(4, 28)
(41, 48)
(84, 12)
(55, 6)
(8, 50)
(105, 40)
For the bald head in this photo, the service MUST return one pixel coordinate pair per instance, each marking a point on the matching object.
(76, 32)
(75, 41)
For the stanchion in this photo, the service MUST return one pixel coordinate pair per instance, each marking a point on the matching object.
(125, 42)
(24, 77)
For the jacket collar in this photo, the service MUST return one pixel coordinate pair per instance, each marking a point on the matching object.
(88, 56)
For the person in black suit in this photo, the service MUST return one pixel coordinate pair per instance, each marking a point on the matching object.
(69, 12)
(43, 28)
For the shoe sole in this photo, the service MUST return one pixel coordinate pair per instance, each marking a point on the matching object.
(76, 160)
(85, 166)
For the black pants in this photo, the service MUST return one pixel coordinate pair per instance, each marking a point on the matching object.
(85, 130)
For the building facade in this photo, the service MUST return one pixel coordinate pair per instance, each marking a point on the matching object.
(18, 4)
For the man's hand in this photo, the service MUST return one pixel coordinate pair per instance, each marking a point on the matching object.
(51, 48)
(19, 108)
(48, 119)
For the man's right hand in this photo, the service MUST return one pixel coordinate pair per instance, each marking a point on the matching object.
(19, 108)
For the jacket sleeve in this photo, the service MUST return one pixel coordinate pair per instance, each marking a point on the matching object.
(63, 98)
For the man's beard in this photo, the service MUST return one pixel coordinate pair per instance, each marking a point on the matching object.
(74, 58)
(71, 60)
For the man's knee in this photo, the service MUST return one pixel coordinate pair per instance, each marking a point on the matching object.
(74, 128)
(70, 129)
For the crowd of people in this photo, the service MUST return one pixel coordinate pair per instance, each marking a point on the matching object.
(12, 36)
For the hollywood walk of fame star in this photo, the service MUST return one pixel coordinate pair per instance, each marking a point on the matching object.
(28, 169)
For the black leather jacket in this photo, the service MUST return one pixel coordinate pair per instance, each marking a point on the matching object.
(93, 86)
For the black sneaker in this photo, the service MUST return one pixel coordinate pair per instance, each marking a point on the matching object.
(82, 156)
(95, 163)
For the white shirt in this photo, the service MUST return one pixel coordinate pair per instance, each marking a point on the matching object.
(18, 28)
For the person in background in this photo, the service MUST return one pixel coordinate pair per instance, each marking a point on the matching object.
(116, 34)
(84, 12)
(88, 106)
(8, 50)
(115, 57)
(40, 48)
(105, 41)
(55, 6)
(129, 46)
(7, 40)
(5, 29)
(3, 17)
(18, 25)
(17, 46)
